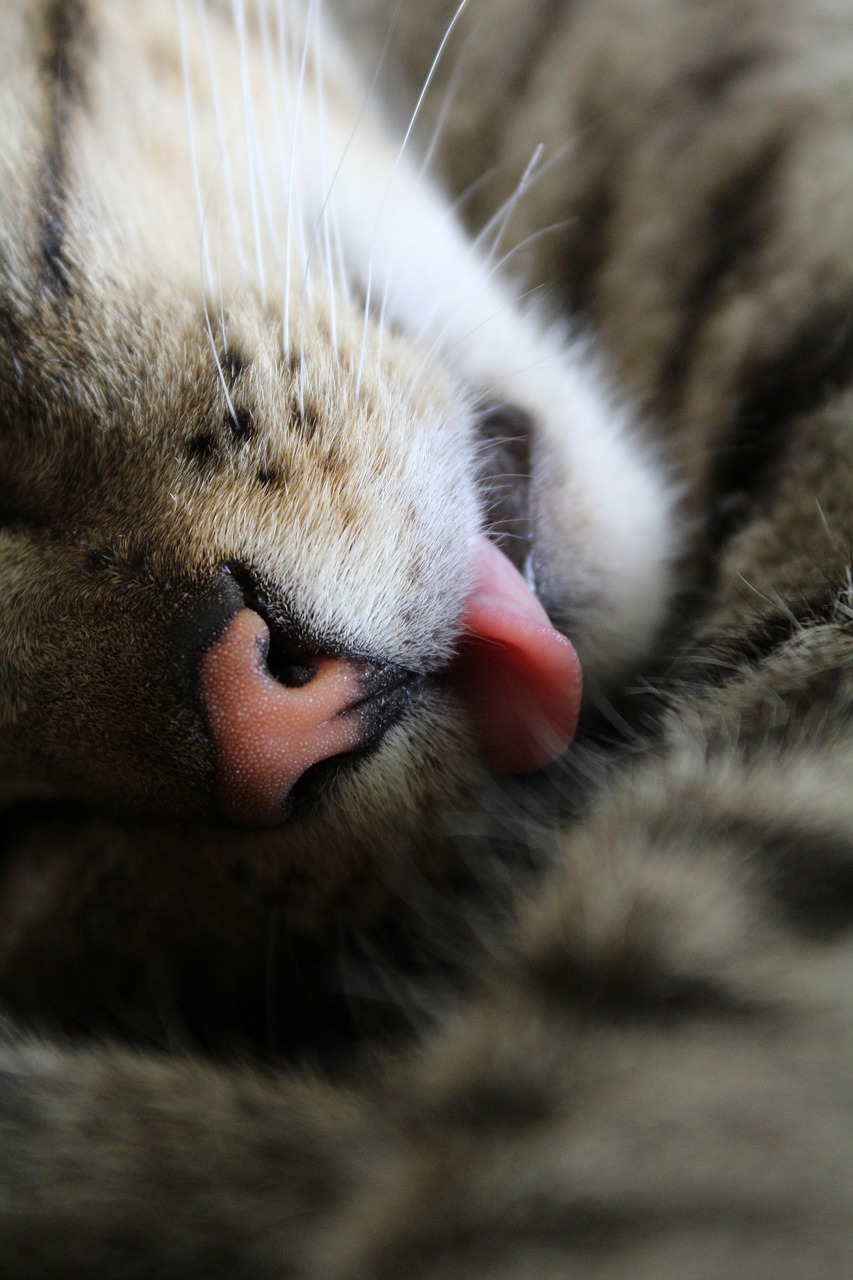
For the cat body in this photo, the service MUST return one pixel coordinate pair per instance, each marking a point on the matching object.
(253, 371)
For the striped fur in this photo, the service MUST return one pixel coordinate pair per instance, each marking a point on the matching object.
(647, 1072)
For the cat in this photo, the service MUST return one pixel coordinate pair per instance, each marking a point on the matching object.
(262, 397)
(253, 363)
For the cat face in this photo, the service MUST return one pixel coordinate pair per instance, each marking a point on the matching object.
(262, 400)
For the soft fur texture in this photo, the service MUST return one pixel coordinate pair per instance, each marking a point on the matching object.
(271, 355)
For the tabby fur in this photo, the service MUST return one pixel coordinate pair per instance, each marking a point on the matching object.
(647, 1069)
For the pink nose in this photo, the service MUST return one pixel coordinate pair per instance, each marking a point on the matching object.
(266, 734)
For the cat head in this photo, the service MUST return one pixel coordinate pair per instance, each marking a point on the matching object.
(262, 403)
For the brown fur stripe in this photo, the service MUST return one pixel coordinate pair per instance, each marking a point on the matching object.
(738, 221)
(65, 50)
(736, 655)
(630, 988)
(586, 246)
(809, 870)
(713, 79)
(809, 369)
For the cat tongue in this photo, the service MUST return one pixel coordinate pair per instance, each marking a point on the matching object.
(518, 678)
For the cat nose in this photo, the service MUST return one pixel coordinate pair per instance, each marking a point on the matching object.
(272, 718)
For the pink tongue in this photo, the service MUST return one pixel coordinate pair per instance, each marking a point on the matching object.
(518, 678)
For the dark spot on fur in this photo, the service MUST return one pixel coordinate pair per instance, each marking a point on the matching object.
(240, 423)
(627, 987)
(809, 871)
(332, 462)
(497, 1105)
(202, 447)
(16, 343)
(66, 33)
(349, 513)
(269, 476)
(305, 417)
(232, 365)
(98, 559)
(813, 880)
(738, 219)
(56, 271)
(712, 79)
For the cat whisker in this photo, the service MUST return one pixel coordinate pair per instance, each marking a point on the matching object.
(290, 200)
(206, 269)
(394, 170)
(329, 189)
(501, 215)
(507, 306)
(534, 172)
(438, 129)
(219, 128)
(495, 267)
(509, 206)
(278, 109)
(219, 275)
(250, 145)
(322, 147)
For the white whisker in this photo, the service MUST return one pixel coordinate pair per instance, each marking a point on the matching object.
(249, 143)
(509, 206)
(290, 197)
(425, 88)
(438, 128)
(531, 176)
(449, 97)
(508, 305)
(322, 149)
(493, 270)
(220, 131)
(206, 269)
(219, 276)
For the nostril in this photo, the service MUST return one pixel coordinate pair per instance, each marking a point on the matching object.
(289, 656)
(290, 669)
(246, 580)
